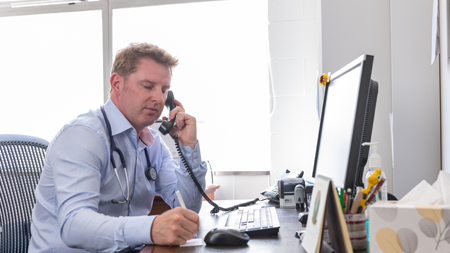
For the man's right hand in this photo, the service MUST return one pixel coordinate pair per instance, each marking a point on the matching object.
(174, 227)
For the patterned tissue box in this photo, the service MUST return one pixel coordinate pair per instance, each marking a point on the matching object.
(409, 228)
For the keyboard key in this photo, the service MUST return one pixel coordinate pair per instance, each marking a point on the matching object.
(269, 218)
(257, 218)
(264, 219)
(244, 216)
(250, 216)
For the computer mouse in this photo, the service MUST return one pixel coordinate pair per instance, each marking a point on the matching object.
(226, 237)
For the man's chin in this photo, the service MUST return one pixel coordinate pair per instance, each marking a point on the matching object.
(151, 122)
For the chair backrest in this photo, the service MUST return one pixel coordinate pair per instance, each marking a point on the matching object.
(21, 164)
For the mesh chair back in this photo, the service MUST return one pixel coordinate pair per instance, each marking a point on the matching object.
(21, 164)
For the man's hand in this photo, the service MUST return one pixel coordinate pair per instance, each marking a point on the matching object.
(185, 126)
(174, 227)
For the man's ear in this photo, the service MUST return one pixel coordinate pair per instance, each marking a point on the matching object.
(115, 81)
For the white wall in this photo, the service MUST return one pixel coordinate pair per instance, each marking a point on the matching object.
(398, 34)
(293, 48)
(347, 32)
(415, 93)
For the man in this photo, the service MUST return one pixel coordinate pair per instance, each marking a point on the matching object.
(81, 206)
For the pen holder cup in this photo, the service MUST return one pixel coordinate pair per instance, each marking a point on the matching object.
(356, 226)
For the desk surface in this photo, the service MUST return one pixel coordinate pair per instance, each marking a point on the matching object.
(285, 241)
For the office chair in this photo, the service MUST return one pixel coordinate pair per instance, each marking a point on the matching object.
(21, 164)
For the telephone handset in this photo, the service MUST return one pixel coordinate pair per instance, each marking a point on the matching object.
(167, 125)
(165, 128)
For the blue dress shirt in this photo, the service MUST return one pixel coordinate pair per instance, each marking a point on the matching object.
(73, 199)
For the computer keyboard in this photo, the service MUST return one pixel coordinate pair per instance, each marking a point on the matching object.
(255, 221)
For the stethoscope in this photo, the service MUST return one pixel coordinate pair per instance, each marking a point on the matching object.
(150, 172)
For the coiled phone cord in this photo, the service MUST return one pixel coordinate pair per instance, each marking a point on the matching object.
(216, 208)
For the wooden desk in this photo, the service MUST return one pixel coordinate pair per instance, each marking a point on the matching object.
(285, 241)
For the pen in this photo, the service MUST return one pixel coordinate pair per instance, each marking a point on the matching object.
(180, 199)
(350, 205)
(347, 203)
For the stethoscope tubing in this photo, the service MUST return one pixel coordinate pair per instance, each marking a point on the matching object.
(152, 174)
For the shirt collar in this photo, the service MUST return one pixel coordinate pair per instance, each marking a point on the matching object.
(119, 123)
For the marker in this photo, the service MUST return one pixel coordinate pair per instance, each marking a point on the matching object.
(180, 199)
(345, 202)
(341, 198)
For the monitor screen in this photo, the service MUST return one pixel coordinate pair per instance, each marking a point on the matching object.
(346, 122)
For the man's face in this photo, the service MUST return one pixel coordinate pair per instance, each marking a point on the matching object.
(143, 94)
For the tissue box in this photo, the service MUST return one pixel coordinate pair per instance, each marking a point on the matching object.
(409, 228)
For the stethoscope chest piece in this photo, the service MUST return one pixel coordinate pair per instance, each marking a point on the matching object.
(151, 174)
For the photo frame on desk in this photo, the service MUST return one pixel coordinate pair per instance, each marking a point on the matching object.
(325, 206)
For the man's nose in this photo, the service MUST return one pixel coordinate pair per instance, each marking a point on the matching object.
(159, 97)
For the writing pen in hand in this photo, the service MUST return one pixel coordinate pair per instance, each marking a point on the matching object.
(180, 199)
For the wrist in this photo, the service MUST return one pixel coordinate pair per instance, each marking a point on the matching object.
(190, 144)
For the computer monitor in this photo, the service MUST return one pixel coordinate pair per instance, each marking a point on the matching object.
(346, 122)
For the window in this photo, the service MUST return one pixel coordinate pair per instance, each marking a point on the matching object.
(222, 78)
(51, 70)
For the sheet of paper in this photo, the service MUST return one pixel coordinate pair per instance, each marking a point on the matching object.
(190, 243)
(193, 242)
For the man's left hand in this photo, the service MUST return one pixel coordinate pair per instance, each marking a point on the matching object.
(185, 126)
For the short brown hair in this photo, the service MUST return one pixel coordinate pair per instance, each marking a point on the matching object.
(128, 58)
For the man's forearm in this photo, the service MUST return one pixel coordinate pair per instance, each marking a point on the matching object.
(90, 230)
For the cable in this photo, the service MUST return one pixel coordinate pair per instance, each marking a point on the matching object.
(216, 208)
(210, 169)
